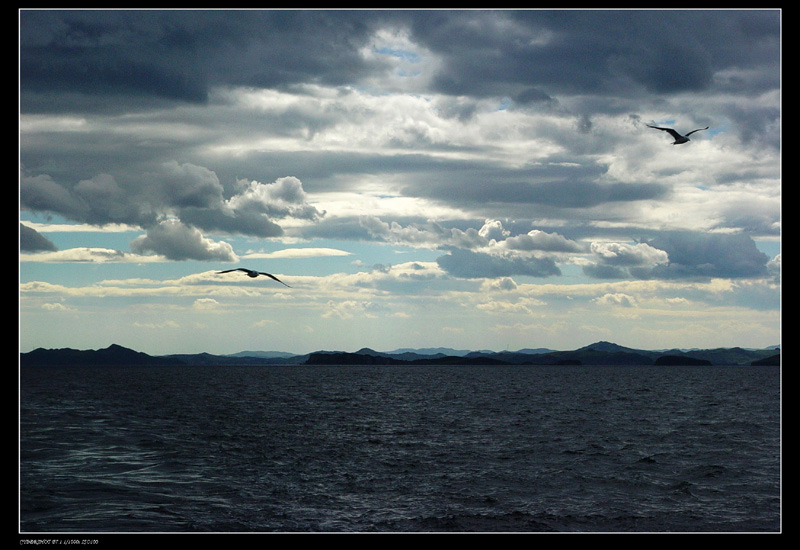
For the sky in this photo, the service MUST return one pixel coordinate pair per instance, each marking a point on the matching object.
(471, 179)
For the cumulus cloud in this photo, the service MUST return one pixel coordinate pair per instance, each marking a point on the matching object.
(205, 303)
(177, 241)
(774, 266)
(681, 255)
(613, 259)
(616, 299)
(102, 199)
(624, 254)
(541, 240)
(470, 265)
(693, 254)
(283, 198)
(187, 185)
(253, 207)
(252, 223)
(188, 192)
(493, 230)
(429, 235)
(40, 193)
(505, 284)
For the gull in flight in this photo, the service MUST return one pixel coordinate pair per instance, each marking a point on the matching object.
(254, 274)
(678, 138)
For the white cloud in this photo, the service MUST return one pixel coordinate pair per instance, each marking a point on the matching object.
(80, 227)
(503, 284)
(157, 326)
(493, 230)
(206, 303)
(55, 306)
(91, 255)
(543, 241)
(310, 252)
(282, 198)
(617, 299)
(624, 254)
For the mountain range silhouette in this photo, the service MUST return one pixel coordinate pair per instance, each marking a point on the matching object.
(600, 353)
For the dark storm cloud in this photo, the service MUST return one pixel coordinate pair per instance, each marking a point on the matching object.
(528, 54)
(561, 194)
(98, 200)
(470, 265)
(102, 199)
(177, 241)
(254, 224)
(31, 240)
(178, 55)
(610, 61)
(588, 51)
(552, 185)
(109, 52)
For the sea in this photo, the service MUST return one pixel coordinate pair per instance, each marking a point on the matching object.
(400, 449)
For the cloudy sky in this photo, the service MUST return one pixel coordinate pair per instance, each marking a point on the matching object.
(471, 179)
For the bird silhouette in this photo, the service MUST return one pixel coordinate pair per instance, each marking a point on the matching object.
(678, 138)
(252, 273)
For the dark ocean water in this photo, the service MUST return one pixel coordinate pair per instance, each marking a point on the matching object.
(400, 449)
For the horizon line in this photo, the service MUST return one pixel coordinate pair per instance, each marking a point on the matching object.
(407, 349)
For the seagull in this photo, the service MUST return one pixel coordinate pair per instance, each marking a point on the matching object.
(254, 274)
(678, 138)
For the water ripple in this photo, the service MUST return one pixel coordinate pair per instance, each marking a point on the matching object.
(400, 449)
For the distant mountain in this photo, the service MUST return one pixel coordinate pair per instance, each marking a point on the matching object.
(433, 351)
(262, 354)
(198, 359)
(363, 357)
(771, 361)
(608, 347)
(344, 358)
(112, 355)
(600, 353)
(591, 356)
(535, 351)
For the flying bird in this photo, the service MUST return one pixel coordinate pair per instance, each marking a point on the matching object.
(254, 274)
(678, 138)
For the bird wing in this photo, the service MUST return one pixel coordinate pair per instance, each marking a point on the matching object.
(273, 277)
(242, 269)
(699, 129)
(672, 132)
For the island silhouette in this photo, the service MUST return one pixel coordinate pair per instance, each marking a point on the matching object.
(600, 353)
